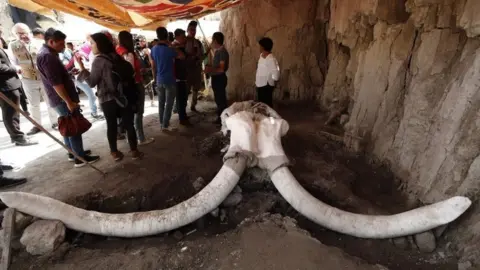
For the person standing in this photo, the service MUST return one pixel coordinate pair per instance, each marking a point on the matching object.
(195, 57)
(268, 72)
(60, 89)
(181, 78)
(163, 57)
(106, 63)
(68, 59)
(218, 74)
(10, 86)
(127, 51)
(24, 54)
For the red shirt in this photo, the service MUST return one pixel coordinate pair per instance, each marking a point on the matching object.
(138, 66)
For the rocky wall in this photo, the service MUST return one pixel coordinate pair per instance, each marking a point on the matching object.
(298, 29)
(409, 71)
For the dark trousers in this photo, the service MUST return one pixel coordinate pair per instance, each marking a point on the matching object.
(265, 94)
(182, 99)
(219, 86)
(11, 118)
(112, 111)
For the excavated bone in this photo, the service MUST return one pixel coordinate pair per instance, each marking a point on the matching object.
(257, 108)
(364, 226)
(136, 224)
(152, 222)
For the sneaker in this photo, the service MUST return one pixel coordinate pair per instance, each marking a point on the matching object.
(71, 157)
(33, 131)
(24, 142)
(97, 116)
(89, 159)
(55, 126)
(146, 141)
(136, 154)
(169, 129)
(6, 182)
(117, 156)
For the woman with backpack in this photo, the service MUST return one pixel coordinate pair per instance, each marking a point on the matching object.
(114, 79)
(126, 49)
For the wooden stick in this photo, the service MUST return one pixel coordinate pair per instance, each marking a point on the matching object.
(210, 53)
(15, 106)
(8, 225)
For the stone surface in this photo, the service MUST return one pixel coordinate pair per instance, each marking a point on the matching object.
(22, 221)
(299, 46)
(43, 236)
(425, 241)
(401, 242)
(410, 70)
(232, 200)
(465, 265)
(199, 184)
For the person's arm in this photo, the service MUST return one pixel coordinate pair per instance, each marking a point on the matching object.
(199, 55)
(93, 78)
(273, 68)
(6, 68)
(221, 66)
(152, 64)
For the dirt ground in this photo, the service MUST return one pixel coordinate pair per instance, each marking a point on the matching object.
(165, 176)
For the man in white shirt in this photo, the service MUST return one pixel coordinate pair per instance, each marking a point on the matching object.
(23, 53)
(268, 72)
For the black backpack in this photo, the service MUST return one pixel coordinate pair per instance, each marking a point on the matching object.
(123, 78)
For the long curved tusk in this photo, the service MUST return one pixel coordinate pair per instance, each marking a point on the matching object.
(366, 226)
(272, 158)
(136, 224)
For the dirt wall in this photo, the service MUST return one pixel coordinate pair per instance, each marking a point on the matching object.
(409, 70)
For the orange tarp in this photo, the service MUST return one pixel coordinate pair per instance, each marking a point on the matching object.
(124, 14)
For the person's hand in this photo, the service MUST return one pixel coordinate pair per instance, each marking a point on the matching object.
(19, 70)
(72, 106)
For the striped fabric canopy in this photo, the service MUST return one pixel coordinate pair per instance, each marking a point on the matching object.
(126, 14)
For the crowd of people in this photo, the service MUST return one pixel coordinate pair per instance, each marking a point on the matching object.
(114, 70)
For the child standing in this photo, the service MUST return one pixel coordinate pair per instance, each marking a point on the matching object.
(268, 72)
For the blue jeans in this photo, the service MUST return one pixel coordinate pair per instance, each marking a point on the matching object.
(89, 92)
(74, 143)
(166, 96)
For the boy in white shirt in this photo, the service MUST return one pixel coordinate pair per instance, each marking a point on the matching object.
(268, 72)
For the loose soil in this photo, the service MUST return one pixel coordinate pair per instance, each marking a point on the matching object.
(165, 176)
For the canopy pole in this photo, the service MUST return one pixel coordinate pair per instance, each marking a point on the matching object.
(210, 54)
(7, 100)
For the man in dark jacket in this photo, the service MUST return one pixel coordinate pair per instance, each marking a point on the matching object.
(11, 87)
(181, 78)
